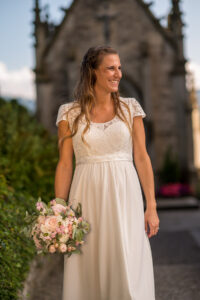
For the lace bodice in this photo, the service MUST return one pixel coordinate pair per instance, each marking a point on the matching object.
(108, 141)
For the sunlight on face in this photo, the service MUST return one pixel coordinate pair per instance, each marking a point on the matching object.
(109, 73)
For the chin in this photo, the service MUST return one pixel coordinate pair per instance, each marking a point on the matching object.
(114, 90)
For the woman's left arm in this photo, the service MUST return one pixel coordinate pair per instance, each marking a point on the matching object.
(145, 172)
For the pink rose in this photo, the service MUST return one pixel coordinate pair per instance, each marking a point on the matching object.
(63, 248)
(62, 228)
(70, 229)
(58, 230)
(37, 243)
(58, 208)
(39, 205)
(51, 223)
(53, 235)
(46, 238)
(52, 249)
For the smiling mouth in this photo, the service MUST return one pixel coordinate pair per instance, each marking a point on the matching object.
(114, 81)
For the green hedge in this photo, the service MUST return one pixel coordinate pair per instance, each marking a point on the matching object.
(28, 161)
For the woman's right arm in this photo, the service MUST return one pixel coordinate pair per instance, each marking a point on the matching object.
(64, 169)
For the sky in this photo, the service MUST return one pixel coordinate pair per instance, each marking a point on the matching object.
(16, 40)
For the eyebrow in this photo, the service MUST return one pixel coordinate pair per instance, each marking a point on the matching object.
(113, 66)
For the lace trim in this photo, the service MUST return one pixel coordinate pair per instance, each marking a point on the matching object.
(104, 125)
(135, 107)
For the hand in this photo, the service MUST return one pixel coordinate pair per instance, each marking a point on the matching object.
(151, 220)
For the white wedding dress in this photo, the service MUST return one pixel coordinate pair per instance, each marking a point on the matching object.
(116, 260)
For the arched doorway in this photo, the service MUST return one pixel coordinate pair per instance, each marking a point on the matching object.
(129, 88)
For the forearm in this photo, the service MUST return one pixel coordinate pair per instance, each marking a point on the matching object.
(63, 178)
(145, 173)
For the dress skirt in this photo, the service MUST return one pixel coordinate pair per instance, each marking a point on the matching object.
(116, 259)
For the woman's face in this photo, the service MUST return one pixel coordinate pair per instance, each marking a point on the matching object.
(109, 73)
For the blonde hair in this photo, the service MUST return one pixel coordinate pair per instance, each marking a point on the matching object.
(84, 92)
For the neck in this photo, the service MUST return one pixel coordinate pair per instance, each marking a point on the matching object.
(102, 98)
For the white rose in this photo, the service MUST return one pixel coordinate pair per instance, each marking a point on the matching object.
(64, 238)
(44, 229)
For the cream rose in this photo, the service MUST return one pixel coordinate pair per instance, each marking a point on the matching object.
(64, 238)
(51, 223)
(63, 248)
(52, 249)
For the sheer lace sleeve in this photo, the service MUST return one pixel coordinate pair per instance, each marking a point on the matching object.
(136, 109)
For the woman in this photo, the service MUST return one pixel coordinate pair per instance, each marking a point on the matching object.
(106, 133)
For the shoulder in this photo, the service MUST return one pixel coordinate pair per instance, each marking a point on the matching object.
(135, 107)
(129, 100)
(72, 108)
(67, 106)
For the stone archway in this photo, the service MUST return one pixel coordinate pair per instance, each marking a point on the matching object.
(129, 88)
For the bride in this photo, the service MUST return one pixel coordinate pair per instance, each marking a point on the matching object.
(106, 133)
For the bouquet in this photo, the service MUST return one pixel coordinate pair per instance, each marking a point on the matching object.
(56, 227)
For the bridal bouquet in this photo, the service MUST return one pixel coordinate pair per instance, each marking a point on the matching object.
(56, 227)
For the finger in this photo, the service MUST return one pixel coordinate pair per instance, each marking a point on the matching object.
(155, 230)
(151, 231)
(146, 227)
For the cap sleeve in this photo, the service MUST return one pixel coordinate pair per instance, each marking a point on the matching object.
(136, 108)
(62, 112)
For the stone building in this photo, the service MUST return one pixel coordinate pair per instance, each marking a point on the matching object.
(195, 120)
(153, 65)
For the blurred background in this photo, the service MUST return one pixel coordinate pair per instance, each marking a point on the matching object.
(42, 43)
(17, 42)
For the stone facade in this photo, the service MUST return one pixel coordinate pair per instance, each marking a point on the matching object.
(153, 66)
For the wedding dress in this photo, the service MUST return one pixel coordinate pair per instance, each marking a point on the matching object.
(116, 260)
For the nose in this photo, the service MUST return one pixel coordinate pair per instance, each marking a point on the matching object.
(118, 73)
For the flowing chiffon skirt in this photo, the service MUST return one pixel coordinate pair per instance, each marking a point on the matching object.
(116, 259)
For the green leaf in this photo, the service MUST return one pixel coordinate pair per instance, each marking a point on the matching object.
(76, 251)
(61, 201)
(78, 210)
(79, 235)
(39, 199)
(74, 233)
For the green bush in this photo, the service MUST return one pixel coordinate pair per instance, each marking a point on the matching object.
(29, 157)
(28, 152)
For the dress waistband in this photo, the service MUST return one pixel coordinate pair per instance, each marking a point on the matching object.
(104, 158)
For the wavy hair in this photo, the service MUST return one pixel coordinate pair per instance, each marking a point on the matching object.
(84, 92)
